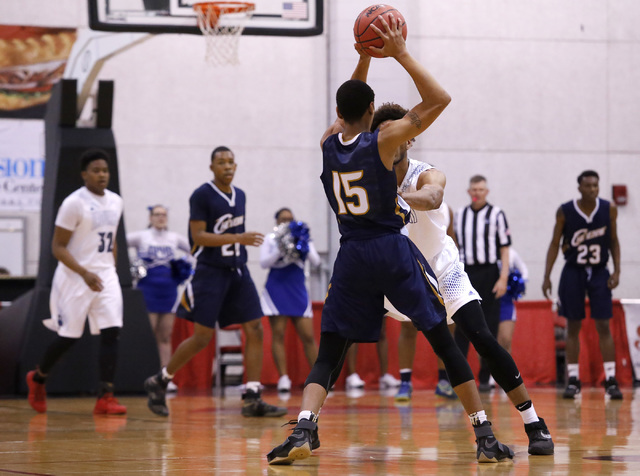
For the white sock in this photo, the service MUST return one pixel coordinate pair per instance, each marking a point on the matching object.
(573, 370)
(478, 418)
(529, 415)
(305, 414)
(253, 386)
(166, 375)
(609, 370)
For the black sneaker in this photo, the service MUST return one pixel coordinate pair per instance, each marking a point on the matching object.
(611, 388)
(254, 406)
(156, 392)
(298, 445)
(573, 388)
(490, 450)
(540, 442)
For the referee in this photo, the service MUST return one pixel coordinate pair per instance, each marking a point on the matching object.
(483, 237)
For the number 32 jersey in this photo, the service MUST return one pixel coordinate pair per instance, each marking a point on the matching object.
(586, 239)
(94, 220)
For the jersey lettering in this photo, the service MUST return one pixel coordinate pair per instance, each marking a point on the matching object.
(106, 242)
(342, 181)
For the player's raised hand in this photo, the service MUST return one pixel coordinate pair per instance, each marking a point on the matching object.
(93, 281)
(250, 238)
(394, 43)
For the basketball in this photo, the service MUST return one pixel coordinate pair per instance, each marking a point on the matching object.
(366, 36)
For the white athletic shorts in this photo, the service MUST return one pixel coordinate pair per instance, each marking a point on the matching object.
(455, 288)
(72, 302)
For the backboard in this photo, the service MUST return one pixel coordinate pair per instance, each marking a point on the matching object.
(271, 17)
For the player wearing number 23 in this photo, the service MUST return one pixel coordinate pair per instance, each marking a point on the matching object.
(588, 230)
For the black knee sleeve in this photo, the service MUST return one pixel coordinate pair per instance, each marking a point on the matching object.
(331, 354)
(55, 350)
(469, 319)
(109, 339)
(444, 346)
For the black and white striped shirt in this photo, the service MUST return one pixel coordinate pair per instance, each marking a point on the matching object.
(481, 234)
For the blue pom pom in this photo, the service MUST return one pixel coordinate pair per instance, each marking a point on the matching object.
(300, 234)
(181, 270)
(515, 285)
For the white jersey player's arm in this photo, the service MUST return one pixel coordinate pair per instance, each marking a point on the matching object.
(61, 237)
(429, 191)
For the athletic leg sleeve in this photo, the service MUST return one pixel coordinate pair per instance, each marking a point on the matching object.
(331, 354)
(109, 339)
(445, 347)
(55, 350)
(470, 321)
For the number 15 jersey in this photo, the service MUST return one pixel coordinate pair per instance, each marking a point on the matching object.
(93, 219)
(586, 239)
(360, 190)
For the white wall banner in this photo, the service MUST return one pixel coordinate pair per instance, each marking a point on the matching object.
(632, 320)
(21, 164)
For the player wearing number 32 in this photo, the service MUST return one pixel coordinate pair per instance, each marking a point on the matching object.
(588, 230)
(85, 283)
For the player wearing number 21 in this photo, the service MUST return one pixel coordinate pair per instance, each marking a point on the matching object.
(85, 283)
(587, 227)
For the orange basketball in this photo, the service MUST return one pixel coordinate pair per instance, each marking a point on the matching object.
(366, 36)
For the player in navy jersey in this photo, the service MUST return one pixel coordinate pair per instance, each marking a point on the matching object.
(375, 259)
(588, 231)
(221, 290)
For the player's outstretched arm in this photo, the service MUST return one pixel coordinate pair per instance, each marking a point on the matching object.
(360, 73)
(429, 191)
(552, 253)
(201, 237)
(434, 98)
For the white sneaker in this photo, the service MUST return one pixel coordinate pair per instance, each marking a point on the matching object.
(388, 381)
(172, 387)
(284, 384)
(354, 381)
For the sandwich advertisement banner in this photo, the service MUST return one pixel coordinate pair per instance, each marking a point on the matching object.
(32, 60)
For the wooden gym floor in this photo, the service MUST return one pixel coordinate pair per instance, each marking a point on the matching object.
(359, 434)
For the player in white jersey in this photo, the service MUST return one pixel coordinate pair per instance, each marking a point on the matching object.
(85, 283)
(422, 187)
(159, 250)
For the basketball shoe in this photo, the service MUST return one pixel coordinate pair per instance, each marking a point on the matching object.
(444, 389)
(284, 384)
(573, 388)
(388, 381)
(37, 393)
(540, 442)
(107, 404)
(298, 445)
(254, 406)
(354, 381)
(611, 388)
(157, 395)
(404, 392)
(490, 450)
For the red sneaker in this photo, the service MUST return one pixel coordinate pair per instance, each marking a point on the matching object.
(37, 394)
(108, 405)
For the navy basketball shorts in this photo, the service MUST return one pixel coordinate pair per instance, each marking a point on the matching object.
(223, 295)
(576, 282)
(367, 270)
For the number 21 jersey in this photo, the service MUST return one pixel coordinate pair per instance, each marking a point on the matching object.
(586, 239)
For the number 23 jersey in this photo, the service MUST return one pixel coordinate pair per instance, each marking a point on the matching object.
(586, 239)
(93, 219)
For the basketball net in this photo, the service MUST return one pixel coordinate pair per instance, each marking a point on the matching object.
(222, 24)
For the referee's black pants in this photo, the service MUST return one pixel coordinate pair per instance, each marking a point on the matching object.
(483, 278)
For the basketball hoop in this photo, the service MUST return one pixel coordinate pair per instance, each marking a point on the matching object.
(221, 24)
